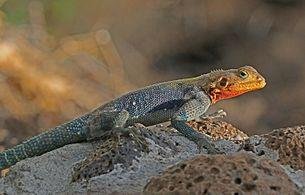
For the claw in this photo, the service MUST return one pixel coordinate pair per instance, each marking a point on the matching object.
(134, 134)
(209, 146)
(221, 113)
(218, 114)
(140, 140)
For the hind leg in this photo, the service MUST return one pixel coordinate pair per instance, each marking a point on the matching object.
(113, 123)
(102, 123)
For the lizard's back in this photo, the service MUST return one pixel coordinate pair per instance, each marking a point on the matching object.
(150, 105)
(149, 101)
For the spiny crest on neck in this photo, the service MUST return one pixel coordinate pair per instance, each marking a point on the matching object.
(217, 71)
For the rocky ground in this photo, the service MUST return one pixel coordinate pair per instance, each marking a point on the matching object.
(273, 163)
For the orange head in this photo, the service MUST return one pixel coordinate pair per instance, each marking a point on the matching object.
(224, 84)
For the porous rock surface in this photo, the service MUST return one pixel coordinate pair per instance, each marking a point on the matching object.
(125, 167)
(239, 173)
(219, 130)
(59, 171)
(285, 145)
(290, 144)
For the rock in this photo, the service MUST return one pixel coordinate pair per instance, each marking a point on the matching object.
(290, 144)
(298, 177)
(219, 130)
(239, 173)
(285, 145)
(122, 164)
(45, 174)
(53, 171)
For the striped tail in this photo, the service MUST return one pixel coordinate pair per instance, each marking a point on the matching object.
(71, 132)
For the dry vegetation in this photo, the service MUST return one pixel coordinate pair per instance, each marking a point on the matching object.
(50, 76)
(46, 81)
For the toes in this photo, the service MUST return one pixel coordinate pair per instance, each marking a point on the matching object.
(215, 151)
(209, 146)
(221, 113)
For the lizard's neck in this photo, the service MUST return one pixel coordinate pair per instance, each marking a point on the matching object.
(208, 85)
(202, 82)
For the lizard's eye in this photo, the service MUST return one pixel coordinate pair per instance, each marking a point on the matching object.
(243, 74)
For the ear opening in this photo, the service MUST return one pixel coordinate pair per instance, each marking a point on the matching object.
(223, 82)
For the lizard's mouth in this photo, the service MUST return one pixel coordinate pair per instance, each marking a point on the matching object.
(250, 86)
(233, 90)
(243, 87)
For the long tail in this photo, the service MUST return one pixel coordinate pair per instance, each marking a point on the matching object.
(71, 132)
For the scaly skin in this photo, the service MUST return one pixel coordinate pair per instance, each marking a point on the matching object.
(178, 101)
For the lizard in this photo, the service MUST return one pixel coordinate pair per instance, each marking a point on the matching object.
(178, 101)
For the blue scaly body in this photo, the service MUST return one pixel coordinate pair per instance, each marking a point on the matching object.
(177, 101)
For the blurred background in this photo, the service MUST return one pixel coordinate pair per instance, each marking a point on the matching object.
(60, 59)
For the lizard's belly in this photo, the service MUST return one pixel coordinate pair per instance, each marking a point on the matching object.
(153, 118)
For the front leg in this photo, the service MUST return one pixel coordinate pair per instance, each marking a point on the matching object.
(189, 111)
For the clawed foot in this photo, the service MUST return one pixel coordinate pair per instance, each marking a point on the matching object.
(139, 138)
(203, 143)
(135, 134)
(218, 114)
